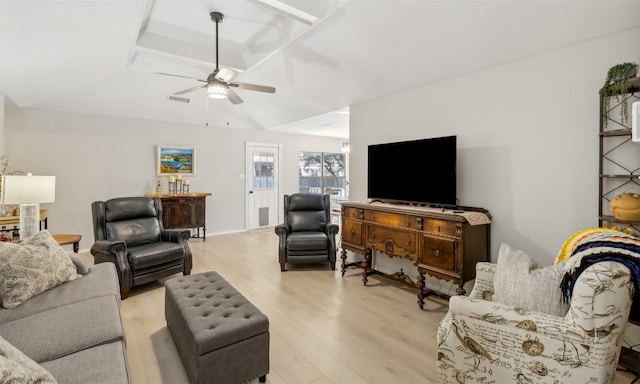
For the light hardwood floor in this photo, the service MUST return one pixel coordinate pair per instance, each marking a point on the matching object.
(324, 328)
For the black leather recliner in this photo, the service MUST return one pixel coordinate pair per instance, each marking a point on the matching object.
(128, 232)
(307, 234)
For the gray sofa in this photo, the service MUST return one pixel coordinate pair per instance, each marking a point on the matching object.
(74, 330)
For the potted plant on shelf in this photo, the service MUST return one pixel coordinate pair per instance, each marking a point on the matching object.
(616, 86)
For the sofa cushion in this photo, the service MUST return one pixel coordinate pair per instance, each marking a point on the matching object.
(35, 265)
(78, 261)
(16, 367)
(101, 280)
(307, 221)
(61, 331)
(154, 254)
(102, 364)
(521, 283)
(308, 241)
(135, 232)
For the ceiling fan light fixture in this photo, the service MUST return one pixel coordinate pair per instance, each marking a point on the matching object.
(217, 91)
(218, 82)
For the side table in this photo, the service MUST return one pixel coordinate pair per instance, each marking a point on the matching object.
(64, 239)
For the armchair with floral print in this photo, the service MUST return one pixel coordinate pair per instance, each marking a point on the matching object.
(483, 340)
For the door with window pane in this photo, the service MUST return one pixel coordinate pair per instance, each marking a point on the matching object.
(262, 185)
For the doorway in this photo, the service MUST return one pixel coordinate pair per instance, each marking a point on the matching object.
(262, 184)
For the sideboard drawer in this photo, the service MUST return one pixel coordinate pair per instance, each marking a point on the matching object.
(443, 227)
(352, 213)
(392, 219)
(439, 252)
(393, 242)
(352, 232)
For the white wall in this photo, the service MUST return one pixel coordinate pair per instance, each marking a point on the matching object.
(1, 123)
(98, 158)
(527, 139)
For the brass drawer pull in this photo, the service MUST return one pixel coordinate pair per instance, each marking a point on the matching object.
(436, 252)
(373, 235)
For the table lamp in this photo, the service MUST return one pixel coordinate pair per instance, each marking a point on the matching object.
(28, 191)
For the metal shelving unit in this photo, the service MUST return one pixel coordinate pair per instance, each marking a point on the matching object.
(619, 170)
(619, 173)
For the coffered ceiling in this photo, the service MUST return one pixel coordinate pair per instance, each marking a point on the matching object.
(105, 57)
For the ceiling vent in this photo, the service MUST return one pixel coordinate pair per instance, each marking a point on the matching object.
(178, 98)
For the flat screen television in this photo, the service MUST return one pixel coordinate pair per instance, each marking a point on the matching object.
(417, 171)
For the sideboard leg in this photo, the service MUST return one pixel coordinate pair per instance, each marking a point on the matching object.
(366, 265)
(420, 286)
(343, 257)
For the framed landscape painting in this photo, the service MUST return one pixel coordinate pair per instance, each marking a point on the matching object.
(173, 159)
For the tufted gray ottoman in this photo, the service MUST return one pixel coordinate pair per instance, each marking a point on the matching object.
(221, 337)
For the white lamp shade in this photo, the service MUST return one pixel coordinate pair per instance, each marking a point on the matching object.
(28, 189)
(217, 91)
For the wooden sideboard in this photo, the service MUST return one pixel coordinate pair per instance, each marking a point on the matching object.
(184, 210)
(442, 244)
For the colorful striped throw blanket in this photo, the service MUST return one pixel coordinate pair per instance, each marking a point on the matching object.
(590, 246)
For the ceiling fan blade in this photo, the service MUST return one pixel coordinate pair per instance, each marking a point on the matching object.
(190, 89)
(184, 77)
(225, 74)
(254, 87)
(233, 97)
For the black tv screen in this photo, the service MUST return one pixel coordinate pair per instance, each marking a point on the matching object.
(417, 171)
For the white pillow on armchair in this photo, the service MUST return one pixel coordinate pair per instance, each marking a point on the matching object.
(520, 282)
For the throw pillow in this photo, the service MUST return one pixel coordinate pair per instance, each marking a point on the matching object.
(78, 261)
(520, 282)
(16, 367)
(31, 267)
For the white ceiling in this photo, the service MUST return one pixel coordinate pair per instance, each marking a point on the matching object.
(103, 56)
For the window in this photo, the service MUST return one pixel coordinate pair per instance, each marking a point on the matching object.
(323, 173)
(263, 170)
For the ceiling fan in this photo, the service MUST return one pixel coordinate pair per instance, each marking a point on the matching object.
(218, 83)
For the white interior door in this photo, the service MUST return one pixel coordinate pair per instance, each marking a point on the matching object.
(262, 181)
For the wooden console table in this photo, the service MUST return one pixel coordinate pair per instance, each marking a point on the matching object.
(184, 210)
(7, 221)
(15, 220)
(443, 244)
(64, 239)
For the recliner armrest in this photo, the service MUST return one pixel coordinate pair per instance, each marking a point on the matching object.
(114, 251)
(108, 247)
(332, 229)
(175, 235)
(281, 230)
(180, 236)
